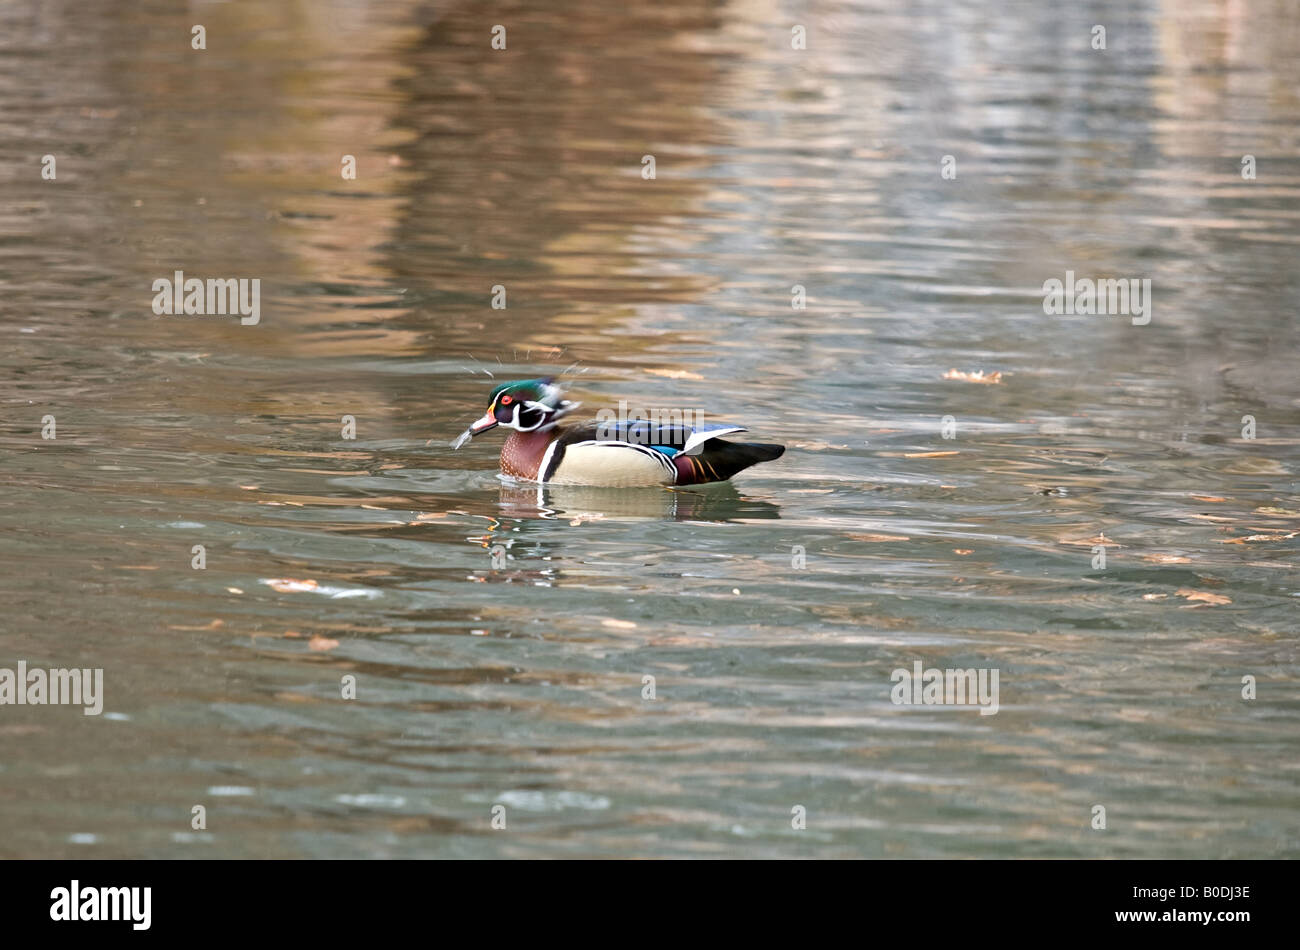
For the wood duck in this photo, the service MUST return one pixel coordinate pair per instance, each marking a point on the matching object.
(619, 453)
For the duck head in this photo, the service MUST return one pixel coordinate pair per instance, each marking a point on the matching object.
(526, 405)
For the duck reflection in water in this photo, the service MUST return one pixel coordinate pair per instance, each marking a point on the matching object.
(513, 539)
(718, 502)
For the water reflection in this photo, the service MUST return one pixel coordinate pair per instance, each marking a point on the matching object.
(719, 502)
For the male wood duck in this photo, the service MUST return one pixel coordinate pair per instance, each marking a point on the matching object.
(616, 453)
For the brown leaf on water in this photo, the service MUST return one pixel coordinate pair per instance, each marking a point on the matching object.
(1092, 542)
(976, 377)
(674, 373)
(879, 537)
(319, 644)
(962, 551)
(288, 585)
(1256, 538)
(1166, 559)
(214, 625)
(1204, 596)
(1207, 498)
(928, 455)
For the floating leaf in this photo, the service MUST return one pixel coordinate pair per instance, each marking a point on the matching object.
(319, 644)
(1255, 538)
(287, 585)
(1204, 596)
(214, 625)
(1093, 542)
(674, 373)
(976, 377)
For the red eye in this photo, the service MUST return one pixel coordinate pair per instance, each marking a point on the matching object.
(507, 400)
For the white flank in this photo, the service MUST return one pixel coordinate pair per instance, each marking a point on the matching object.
(613, 465)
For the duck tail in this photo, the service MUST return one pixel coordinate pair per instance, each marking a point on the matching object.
(718, 460)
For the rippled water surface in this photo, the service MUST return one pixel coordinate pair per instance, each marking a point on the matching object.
(520, 683)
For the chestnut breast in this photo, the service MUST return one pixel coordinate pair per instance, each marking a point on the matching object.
(521, 456)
